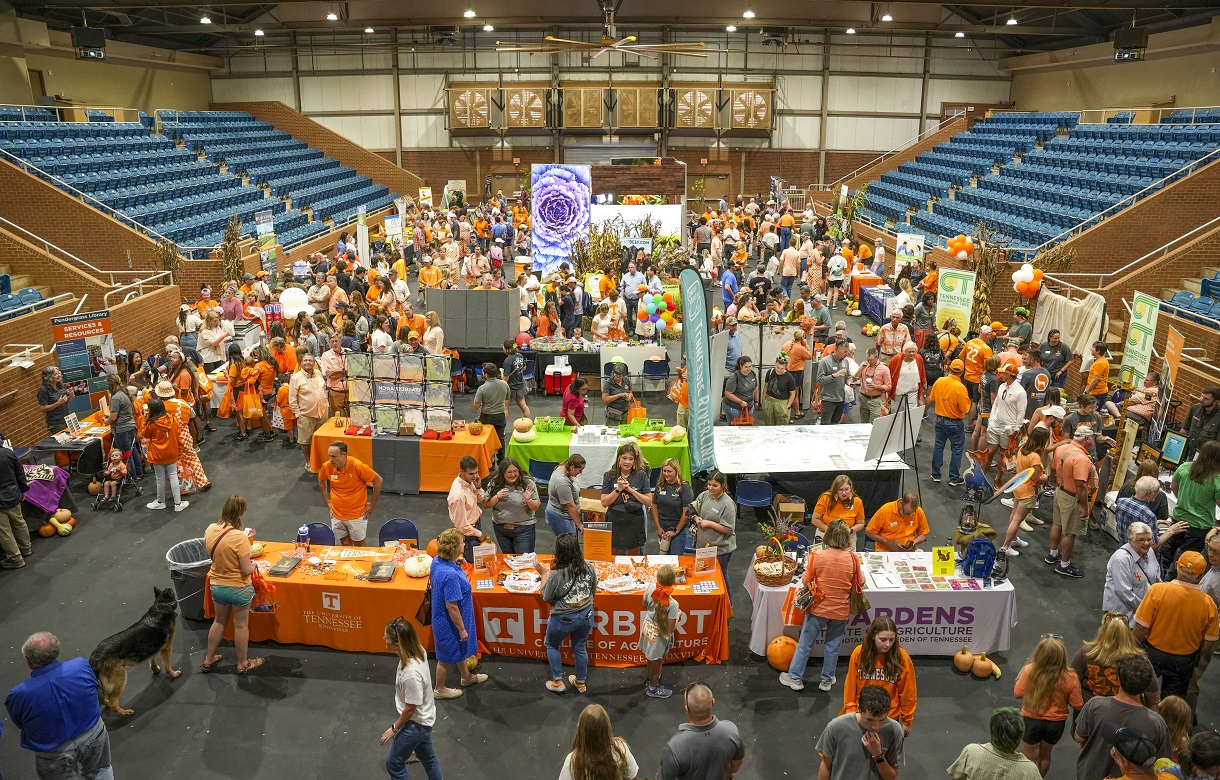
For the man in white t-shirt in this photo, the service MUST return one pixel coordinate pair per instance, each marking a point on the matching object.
(1007, 413)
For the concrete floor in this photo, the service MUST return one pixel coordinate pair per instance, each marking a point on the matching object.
(317, 713)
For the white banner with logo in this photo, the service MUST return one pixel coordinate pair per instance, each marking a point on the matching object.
(1137, 351)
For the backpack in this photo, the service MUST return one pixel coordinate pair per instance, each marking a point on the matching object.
(979, 558)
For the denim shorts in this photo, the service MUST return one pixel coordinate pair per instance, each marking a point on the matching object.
(228, 596)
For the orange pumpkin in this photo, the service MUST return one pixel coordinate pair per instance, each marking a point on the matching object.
(94, 488)
(780, 652)
(46, 530)
(433, 548)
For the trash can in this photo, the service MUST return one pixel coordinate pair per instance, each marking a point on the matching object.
(188, 569)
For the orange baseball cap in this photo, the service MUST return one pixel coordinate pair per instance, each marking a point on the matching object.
(1011, 367)
(1192, 563)
(957, 366)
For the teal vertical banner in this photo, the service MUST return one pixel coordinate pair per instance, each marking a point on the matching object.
(695, 339)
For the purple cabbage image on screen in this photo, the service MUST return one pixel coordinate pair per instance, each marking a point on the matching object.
(560, 196)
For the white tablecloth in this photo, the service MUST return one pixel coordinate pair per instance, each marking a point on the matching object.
(787, 449)
(929, 622)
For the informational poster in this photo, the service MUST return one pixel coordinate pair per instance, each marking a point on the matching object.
(562, 197)
(425, 196)
(910, 248)
(632, 247)
(699, 370)
(670, 216)
(483, 553)
(954, 297)
(1137, 351)
(705, 560)
(362, 236)
(264, 230)
(84, 344)
(787, 449)
(942, 562)
(598, 545)
(393, 229)
(1174, 342)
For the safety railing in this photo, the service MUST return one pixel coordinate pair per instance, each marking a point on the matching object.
(1160, 253)
(1166, 115)
(63, 254)
(834, 185)
(86, 114)
(19, 355)
(136, 289)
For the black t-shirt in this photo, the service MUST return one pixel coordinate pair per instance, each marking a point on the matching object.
(760, 286)
(780, 385)
(670, 500)
(55, 417)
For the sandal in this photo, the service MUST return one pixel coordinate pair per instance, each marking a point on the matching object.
(251, 663)
(579, 686)
(208, 668)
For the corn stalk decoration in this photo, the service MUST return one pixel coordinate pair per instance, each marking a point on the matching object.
(603, 252)
(168, 254)
(989, 260)
(841, 227)
(698, 191)
(230, 250)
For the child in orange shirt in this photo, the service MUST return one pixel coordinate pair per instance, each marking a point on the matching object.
(160, 437)
(1046, 688)
(879, 660)
(290, 420)
(112, 475)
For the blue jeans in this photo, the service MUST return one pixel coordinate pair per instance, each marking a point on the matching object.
(576, 626)
(724, 570)
(1060, 381)
(470, 542)
(809, 634)
(517, 541)
(560, 524)
(785, 236)
(955, 432)
(124, 442)
(786, 284)
(417, 739)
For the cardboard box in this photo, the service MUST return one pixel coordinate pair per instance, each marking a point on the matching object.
(789, 507)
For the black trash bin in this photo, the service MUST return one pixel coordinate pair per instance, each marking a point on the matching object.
(188, 568)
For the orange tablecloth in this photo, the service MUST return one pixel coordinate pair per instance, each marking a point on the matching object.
(438, 459)
(863, 280)
(350, 614)
(514, 624)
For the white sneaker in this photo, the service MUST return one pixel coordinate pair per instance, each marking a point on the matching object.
(1030, 518)
(1008, 502)
(826, 685)
(1011, 553)
(1019, 542)
(156, 505)
(181, 505)
(791, 682)
(1026, 526)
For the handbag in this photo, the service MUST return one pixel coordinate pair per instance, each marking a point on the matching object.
(635, 411)
(251, 404)
(423, 615)
(857, 601)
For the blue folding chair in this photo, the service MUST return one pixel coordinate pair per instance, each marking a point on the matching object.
(656, 369)
(321, 533)
(541, 471)
(396, 529)
(800, 545)
(753, 492)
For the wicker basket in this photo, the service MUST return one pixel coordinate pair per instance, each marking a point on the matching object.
(775, 580)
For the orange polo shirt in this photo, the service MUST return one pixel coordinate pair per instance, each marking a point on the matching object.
(889, 524)
(950, 397)
(1179, 617)
(852, 515)
(348, 488)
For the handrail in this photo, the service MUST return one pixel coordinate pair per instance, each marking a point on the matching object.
(136, 287)
(890, 153)
(58, 111)
(47, 246)
(1162, 112)
(1162, 250)
(92, 201)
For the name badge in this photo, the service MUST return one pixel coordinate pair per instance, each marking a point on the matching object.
(334, 477)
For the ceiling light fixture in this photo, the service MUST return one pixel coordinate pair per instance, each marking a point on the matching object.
(368, 29)
(488, 28)
(851, 30)
(258, 33)
(887, 17)
(1011, 20)
(470, 14)
(332, 17)
(731, 28)
(747, 14)
(959, 35)
(205, 19)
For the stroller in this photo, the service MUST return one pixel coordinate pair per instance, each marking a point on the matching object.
(128, 483)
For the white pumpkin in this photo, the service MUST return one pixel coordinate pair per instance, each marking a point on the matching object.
(524, 436)
(417, 565)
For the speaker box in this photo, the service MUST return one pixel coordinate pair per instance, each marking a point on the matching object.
(88, 38)
(1131, 38)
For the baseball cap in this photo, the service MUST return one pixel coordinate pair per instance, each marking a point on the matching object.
(164, 389)
(1021, 310)
(731, 321)
(1083, 432)
(248, 276)
(185, 307)
(427, 259)
(1192, 563)
(997, 325)
(413, 334)
(1056, 411)
(984, 330)
(957, 366)
(261, 274)
(819, 297)
(1132, 744)
(1011, 367)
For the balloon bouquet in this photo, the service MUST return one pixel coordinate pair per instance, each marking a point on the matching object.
(961, 246)
(1027, 280)
(659, 309)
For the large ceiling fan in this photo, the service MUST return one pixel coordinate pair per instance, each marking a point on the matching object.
(610, 42)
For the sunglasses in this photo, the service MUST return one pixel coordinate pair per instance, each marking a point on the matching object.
(1051, 636)
(686, 691)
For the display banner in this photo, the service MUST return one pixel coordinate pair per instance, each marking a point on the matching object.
(425, 197)
(393, 230)
(1137, 352)
(562, 196)
(362, 236)
(700, 373)
(909, 249)
(954, 297)
(84, 345)
(1174, 342)
(264, 229)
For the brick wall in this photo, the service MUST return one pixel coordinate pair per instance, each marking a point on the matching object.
(27, 259)
(1192, 377)
(34, 328)
(669, 180)
(1160, 273)
(84, 231)
(331, 143)
(141, 323)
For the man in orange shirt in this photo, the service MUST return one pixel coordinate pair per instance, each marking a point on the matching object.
(974, 357)
(344, 481)
(950, 401)
(1076, 476)
(1176, 624)
(899, 526)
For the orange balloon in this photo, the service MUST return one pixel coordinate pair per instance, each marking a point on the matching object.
(1032, 289)
(961, 238)
(1023, 287)
(668, 297)
(1037, 274)
(780, 652)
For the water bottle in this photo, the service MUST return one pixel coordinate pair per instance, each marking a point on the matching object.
(303, 538)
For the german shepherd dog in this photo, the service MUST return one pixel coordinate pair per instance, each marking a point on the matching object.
(141, 642)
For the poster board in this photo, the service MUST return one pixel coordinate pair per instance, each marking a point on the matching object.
(1137, 350)
(908, 247)
(954, 297)
(669, 215)
(562, 197)
(631, 250)
(1174, 342)
(362, 236)
(84, 346)
(425, 196)
(264, 230)
(597, 545)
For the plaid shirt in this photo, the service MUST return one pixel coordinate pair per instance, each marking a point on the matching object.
(1131, 510)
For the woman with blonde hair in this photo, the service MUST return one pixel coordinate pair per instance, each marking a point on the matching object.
(232, 589)
(657, 629)
(840, 503)
(1096, 662)
(1179, 719)
(596, 753)
(411, 732)
(833, 573)
(671, 500)
(1047, 688)
(626, 496)
(434, 336)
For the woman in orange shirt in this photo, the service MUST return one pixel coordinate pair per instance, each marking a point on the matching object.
(160, 437)
(1098, 382)
(879, 660)
(238, 375)
(1046, 688)
(840, 503)
(1025, 497)
(546, 321)
(265, 371)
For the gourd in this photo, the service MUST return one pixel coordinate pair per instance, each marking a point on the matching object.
(94, 488)
(417, 565)
(760, 550)
(433, 548)
(963, 660)
(63, 529)
(984, 667)
(46, 530)
(667, 438)
(63, 515)
(527, 435)
(475, 428)
(677, 433)
(256, 549)
(522, 425)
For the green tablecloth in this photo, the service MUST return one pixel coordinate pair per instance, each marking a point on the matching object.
(556, 447)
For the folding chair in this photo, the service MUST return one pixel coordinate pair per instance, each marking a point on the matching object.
(321, 533)
(396, 529)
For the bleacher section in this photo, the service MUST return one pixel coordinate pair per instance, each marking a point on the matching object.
(288, 166)
(1199, 304)
(1064, 174)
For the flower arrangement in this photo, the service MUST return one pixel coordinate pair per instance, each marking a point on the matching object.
(780, 530)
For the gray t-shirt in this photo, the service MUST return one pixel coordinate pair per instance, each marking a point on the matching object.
(719, 510)
(121, 403)
(742, 386)
(512, 510)
(561, 490)
(701, 752)
(568, 594)
(1094, 762)
(849, 760)
(832, 386)
(491, 396)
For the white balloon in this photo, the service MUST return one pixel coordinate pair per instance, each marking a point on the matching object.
(962, 255)
(1026, 274)
(1016, 276)
(294, 300)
